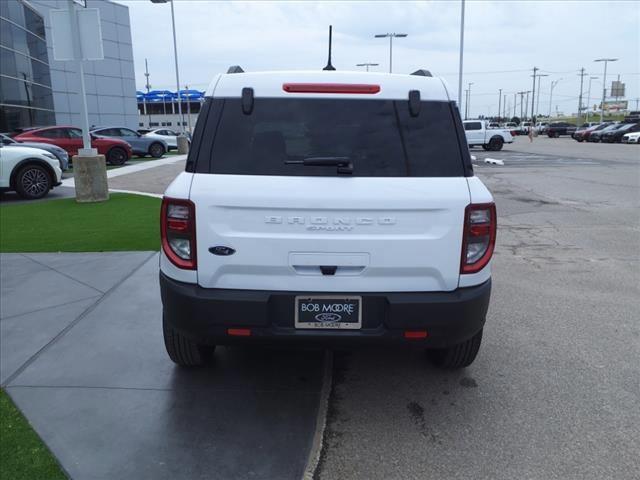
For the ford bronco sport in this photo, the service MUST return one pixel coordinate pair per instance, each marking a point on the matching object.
(334, 207)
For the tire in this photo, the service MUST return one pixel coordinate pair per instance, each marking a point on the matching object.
(485, 147)
(182, 351)
(156, 150)
(458, 356)
(117, 156)
(495, 144)
(33, 181)
(579, 139)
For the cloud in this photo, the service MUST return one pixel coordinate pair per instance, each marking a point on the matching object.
(559, 37)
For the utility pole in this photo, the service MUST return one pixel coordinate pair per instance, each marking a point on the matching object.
(582, 75)
(521, 105)
(504, 106)
(589, 97)
(526, 104)
(148, 87)
(538, 100)
(469, 98)
(499, 102)
(553, 85)
(533, 93)
(514, 103)
(637, 101)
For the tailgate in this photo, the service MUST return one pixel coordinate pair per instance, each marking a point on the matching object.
(329, 234)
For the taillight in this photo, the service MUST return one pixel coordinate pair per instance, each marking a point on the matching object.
(479, 236)
(178, 232)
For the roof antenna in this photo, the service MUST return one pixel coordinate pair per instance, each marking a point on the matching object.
(329, 66)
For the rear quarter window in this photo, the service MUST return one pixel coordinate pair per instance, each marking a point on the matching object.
(380, 137)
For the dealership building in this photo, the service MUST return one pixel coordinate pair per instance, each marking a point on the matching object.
(36, 90)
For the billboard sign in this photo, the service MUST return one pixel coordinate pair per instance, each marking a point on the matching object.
(613, 106)
(617, 89)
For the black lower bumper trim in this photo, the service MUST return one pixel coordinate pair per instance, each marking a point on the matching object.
(204, 315)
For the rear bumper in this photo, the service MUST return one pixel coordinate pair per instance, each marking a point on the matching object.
(204, 315)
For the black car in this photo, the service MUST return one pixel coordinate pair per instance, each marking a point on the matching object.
(615, 136)
(556, 129)
(596, 136)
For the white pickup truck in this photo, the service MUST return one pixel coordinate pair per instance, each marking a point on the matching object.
(478, 134)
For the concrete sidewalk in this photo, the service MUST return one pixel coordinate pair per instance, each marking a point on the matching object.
(83, 358)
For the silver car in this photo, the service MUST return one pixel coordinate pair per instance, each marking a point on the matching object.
(60, 153)
(140, 145)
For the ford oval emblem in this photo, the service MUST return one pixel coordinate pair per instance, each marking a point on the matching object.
(222, 250)
(328, 317)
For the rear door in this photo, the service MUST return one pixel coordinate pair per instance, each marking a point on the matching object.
(393, 224)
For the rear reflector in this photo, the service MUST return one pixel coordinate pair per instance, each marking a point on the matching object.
(415, 334)
(330, 88)
(239, 332)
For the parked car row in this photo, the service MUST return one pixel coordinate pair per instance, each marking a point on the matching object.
(32, 159)
(609, 132)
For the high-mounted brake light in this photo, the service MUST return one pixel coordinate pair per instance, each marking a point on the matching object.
(178, 232)
(479, 236)
(330, 88)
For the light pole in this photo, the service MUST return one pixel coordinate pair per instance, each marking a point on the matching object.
(467, 109)
(538, 100)
(175, 54)
(553, 85)
(367, 64)
(391, 37)
(604, 84)
(499, 102)
(589, 97)
(461, 52)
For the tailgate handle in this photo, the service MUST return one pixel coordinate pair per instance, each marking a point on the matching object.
(328, 269)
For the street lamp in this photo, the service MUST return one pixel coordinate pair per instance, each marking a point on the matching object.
(391, 37)
(553, 85)
(538, 99)
(604, 84)
(589, 97)
(175, 54)
(367, 64)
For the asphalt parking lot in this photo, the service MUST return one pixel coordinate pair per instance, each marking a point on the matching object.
(554, 392)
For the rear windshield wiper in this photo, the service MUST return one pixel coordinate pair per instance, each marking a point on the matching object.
(344, 164)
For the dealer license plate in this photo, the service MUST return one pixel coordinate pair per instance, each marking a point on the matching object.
(329, 311)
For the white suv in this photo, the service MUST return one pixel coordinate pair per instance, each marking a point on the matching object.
(327, 207)
(31, 172)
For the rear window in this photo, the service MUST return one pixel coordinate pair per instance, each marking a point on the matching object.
(379, 137)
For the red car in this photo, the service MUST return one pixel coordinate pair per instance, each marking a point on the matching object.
(115, 151)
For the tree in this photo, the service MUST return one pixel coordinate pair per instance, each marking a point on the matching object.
(516, 120)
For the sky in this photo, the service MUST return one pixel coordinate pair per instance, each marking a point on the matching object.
(503, 41)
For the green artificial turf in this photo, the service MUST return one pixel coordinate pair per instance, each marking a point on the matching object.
(124, 222)
(23, 456)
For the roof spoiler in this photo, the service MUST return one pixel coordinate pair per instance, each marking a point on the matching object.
(422, 73)
(235, 69)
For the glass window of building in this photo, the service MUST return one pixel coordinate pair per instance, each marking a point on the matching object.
(26, 98)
